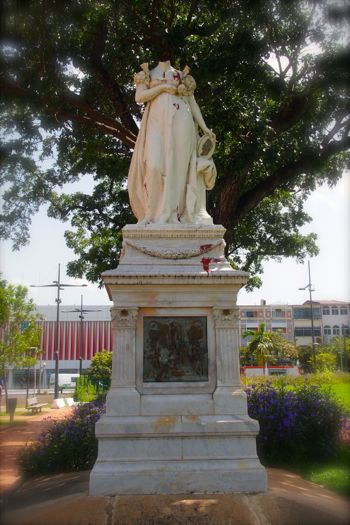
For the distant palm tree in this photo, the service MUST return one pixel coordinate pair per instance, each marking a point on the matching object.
(261, 344)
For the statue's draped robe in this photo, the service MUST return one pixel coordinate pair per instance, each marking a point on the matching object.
(165, 154)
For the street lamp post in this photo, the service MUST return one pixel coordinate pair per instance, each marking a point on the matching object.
(59, 286)
(309, 286)
(81, 311)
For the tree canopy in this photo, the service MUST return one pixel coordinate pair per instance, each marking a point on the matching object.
(100, 368)
(270, 347)
(19, 329)
(272, 82)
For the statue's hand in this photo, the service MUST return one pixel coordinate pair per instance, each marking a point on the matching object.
(169, 89)
(209, 132)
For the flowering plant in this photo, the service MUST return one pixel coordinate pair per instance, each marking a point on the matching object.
(68, 445)
(295, 425)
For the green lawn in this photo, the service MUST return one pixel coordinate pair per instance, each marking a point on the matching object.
(342, 393)
(21, 415)
(334, 475)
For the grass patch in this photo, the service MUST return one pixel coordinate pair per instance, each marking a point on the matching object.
(332, 477)
(332, 474)
(21, 415)
(342, 394)
(17, 423)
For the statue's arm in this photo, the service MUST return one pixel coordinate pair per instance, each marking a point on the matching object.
(144, 94)
(198, 118)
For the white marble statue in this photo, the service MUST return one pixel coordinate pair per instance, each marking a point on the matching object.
(171, 167)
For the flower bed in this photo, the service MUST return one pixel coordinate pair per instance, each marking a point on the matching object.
(69, 444)
(295, 425)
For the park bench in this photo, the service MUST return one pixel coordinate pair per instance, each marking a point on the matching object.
(34, 406)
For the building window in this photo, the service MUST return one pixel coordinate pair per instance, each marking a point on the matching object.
(335, 310)
(306, 331)
(251, 313)
(325, 310)
(279, 330)
(278, 313)
(345, 330)
(305, 313)
(343, 311)
(327, 330)
(336, 330)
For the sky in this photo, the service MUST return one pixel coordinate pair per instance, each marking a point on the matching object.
(329, 208)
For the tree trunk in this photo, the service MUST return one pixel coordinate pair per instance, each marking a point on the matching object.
(6, 391)
(27, 388)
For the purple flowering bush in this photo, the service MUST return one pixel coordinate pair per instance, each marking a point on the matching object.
(68, 445)
(296, 425)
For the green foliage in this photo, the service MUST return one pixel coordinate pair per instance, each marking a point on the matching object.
(273, 79)
(317, 379)
(85, 390)
(98, 379)
(340, 347)
(20, 332)
(260, 344)
(341, 392)
(325, 361)
(281, 351)
(100, 369)
(333, 477)
(293, 424)
(328, 357)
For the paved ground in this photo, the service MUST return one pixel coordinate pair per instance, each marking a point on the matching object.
(13, 439)
(63, 499)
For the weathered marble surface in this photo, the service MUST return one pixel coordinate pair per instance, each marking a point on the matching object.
(171, 167)
(173, 437)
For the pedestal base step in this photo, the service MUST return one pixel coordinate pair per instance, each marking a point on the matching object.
(177, 477)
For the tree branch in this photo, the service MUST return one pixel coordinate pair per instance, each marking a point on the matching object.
(284, 176)
(190, 13)
(116, 94)
(85, 113)
(338, 125)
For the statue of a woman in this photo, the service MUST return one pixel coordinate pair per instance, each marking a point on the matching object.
(167, 179)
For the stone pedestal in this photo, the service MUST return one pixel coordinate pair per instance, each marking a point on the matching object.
(176, 419)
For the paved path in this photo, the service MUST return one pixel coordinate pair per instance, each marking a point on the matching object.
(13, 439)
(63, 499)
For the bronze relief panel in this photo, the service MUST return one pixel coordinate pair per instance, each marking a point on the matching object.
(175, 349)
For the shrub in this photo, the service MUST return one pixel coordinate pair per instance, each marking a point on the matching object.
(318, 379)
(303, 423)
(68, 445)
(100, 369)
(88, 390)
(295, 425)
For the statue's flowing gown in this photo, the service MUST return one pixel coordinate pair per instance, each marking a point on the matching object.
(165, 156)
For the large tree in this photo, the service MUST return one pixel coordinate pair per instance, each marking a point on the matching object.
(19, 329)
(272, 81)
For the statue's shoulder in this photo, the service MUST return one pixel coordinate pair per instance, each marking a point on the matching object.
(143, 76)
(188, 83)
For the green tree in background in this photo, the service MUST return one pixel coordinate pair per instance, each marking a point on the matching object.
(331, 356)
(273, 82)
(340, 346)
(260, 344)
(100, 369)
(19, 329)
(281, 351)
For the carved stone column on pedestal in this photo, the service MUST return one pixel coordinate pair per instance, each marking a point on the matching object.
(123, 398)
(229, 397)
